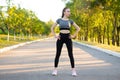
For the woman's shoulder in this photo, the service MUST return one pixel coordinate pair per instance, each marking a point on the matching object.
(71, 21)
(58, 20)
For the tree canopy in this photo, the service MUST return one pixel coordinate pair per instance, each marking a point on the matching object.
(22, 22)
(99, 20)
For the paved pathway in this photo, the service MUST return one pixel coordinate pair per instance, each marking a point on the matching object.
(35, 62)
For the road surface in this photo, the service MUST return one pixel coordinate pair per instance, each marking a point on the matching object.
(35, 62)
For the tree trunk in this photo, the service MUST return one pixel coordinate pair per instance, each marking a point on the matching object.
(108, 37)
(93, 37)
(99, 35)
(118, 36)
(114, 29)
(104, 35)
(14, 36)
(86, 34)
(8, 36)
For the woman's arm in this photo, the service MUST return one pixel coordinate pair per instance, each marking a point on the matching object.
(52, 28)
(53, 32)
(77, 30)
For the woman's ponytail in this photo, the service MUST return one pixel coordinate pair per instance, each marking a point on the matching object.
(64, 11)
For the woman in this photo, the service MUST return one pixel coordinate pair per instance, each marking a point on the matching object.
(64, 37)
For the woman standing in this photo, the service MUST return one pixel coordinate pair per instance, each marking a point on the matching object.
(64, 37)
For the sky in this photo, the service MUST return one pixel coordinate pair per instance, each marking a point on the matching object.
(44, 9)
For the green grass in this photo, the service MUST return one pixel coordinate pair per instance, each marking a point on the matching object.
(104, 46)
(5, 43)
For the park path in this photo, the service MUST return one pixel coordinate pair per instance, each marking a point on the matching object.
(35, 62)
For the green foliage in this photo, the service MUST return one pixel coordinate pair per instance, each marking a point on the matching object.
(22, 22)
(99, 20)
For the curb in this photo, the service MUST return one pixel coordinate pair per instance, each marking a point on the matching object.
(5, 49)
(116, 54)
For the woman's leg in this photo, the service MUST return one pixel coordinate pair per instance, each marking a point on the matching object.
(70, 51)
(59, 45)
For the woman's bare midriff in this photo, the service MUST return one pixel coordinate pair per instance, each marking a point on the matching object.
(65, 31)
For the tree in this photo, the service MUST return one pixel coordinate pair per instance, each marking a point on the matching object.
(99, 20)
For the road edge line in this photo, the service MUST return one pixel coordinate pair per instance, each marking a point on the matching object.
(99, 49)
(5, 49)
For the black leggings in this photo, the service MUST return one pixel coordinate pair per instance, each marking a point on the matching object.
(64, 38)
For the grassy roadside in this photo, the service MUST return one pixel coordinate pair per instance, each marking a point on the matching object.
(5, 43)
(104, 46)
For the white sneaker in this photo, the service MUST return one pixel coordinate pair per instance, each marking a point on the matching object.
(54, 73)
(74, 73)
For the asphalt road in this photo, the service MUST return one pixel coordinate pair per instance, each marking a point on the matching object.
(35, 62)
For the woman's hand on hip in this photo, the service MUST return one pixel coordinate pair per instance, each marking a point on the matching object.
(72, 37)
(58, 37)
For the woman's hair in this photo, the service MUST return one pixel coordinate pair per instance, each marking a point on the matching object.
(64, 11)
